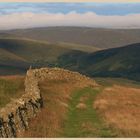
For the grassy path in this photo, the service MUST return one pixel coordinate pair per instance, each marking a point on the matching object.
(84, 121)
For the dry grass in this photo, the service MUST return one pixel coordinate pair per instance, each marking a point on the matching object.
(88, 126)
(10, 87)
(120, 107)
(12, 77)
(81, 106)
(56, 95)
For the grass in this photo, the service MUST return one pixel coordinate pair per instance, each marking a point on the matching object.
(118, 81)
(69, 110)
(10, 88)
(120, 108)
(84, 48)
(85, 122)
(56, 95)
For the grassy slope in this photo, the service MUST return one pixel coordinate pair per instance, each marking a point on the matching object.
(56, 95)
(118, 104)
(118, 62)
(121, 62)
(31, 50)
(80, 47)
(10, 88)
(117, 81)
(18, 54)
(61, 116)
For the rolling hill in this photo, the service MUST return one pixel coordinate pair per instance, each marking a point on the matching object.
(16, 56)
(116, 62)
(91, 37)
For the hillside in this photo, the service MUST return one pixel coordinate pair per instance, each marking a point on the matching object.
(60, 103)
(91, 37)
(82, 108)
(16, 56)
(117, 62)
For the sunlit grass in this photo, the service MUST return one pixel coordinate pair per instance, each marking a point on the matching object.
(85, 122)
(10, 88)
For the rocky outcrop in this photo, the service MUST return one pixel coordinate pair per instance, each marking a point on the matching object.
(14, 118)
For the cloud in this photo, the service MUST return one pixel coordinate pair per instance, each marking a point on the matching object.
(89, 19)
(98, 8)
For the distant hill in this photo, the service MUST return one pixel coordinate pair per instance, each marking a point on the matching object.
(116, 62)
(16, 56)
(91, 37)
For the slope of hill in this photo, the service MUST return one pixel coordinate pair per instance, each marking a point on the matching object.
(121, 62)
(117, 62)
(30, 50)
(74, 106)
(18, 54)
(100, 38)
(63, 91)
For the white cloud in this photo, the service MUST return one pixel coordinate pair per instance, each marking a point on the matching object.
(90, 19)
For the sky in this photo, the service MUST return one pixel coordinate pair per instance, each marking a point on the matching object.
(100, 15)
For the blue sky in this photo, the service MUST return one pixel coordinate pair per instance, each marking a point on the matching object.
(101, 15)
(98, 8)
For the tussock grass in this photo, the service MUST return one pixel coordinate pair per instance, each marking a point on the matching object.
(120, 108)
(10, 88)
(56, 95)
(49, 122)
(118, 81)
(84, 111)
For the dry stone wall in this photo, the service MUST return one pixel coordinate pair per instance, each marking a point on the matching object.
(62, 74)
(14, 118)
